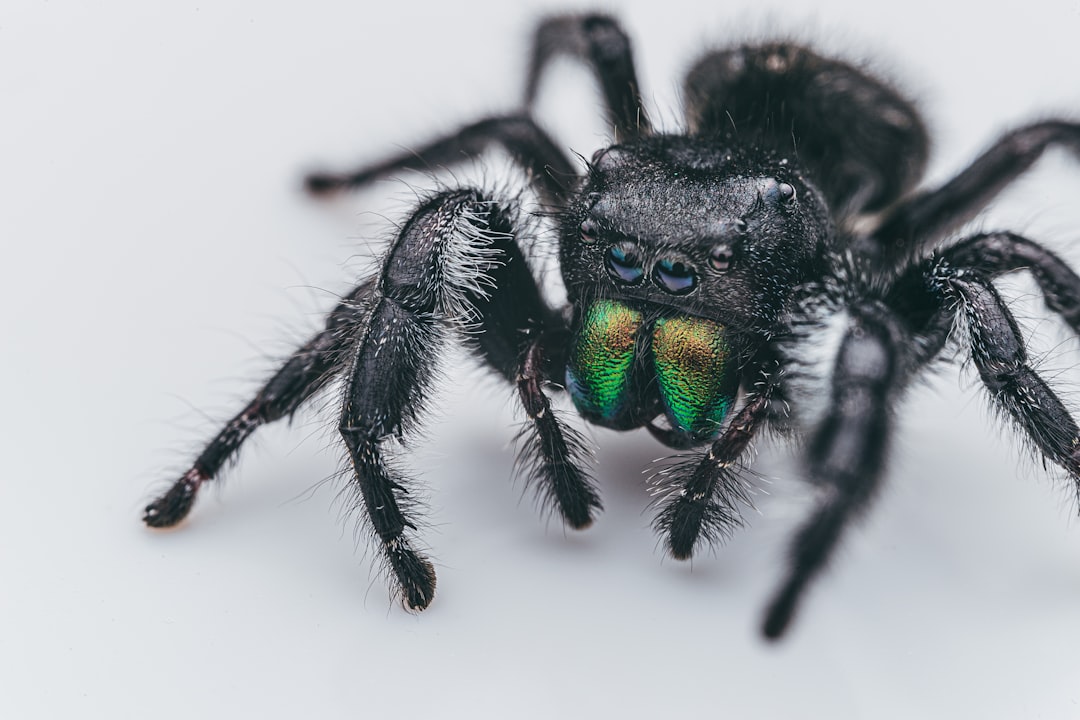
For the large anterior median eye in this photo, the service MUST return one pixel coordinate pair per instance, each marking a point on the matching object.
(623, 262)
(675, 276)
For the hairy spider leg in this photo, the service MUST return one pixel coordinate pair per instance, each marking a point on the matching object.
(997, 253)
(551, 453)
(700, 498)
(960, 282)
(600, 42)
(987, 256)
(454, 260)
(525, 341)
(596, 39)
(308, 370)
(520, 329)
(550, 171)
(846, 453)
(959, 285)
(927, 216)
(928, 298)
(860, 140)
(439, 258)
(997, 347)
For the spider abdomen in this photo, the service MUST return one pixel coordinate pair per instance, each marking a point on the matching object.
(623, 369)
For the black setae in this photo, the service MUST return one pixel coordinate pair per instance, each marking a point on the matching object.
(701, 269)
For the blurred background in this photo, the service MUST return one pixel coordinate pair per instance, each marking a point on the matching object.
(159, 259)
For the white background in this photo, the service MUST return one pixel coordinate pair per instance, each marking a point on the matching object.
(159, 258)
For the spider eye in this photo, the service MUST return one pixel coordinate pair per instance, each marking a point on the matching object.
(675, 276)
(624, 263)
(786, 192)
(588, 231)
(778, 192)
(720, 257)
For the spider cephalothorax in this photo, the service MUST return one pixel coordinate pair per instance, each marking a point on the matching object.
(678, 257)
(675, 222)
(699, 266)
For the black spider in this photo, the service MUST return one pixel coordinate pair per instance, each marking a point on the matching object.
(700, 268)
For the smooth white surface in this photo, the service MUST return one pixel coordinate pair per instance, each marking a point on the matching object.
(158, 258)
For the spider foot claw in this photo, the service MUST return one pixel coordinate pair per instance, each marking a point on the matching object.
(415, 574)
(174, 505)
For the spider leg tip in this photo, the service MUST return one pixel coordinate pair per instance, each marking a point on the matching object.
(581, 524)
(775, 626)
(416, 576)
(681, 551)
(321, 185)
(779, 615)
(581, 516)
(172, 507)
(159, 516)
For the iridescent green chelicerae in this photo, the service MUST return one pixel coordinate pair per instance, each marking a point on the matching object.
(681, 362)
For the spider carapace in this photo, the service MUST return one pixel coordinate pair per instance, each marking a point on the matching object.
(772, 264)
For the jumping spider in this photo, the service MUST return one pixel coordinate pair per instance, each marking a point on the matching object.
(699, 267)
